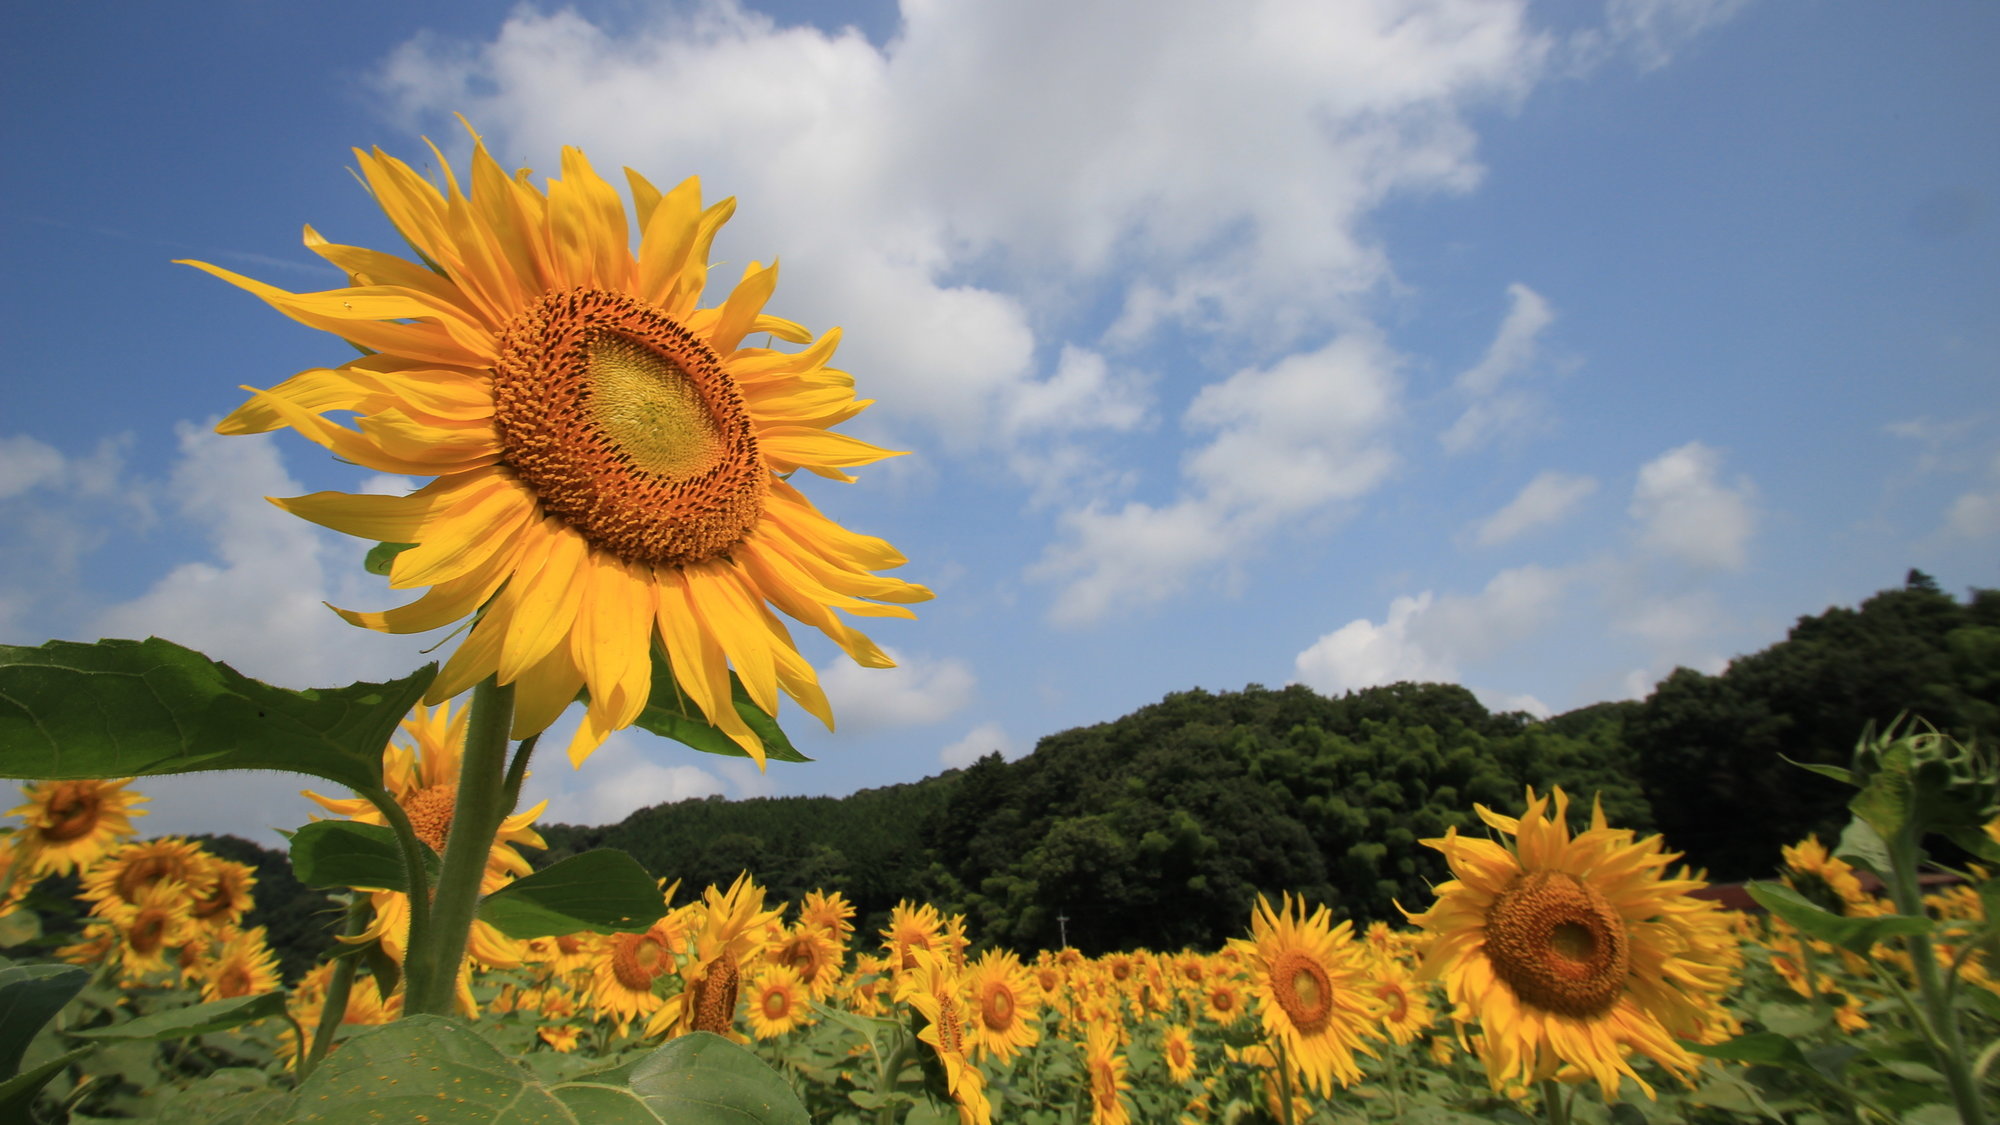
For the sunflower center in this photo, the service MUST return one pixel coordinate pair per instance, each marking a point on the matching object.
(777, 1004)
(233, 981)
(142, 872)
(996, 1008)
(715, 1000)
(1303, 990)
(1104, 1084)
(628, 429)
(636, 959)
(1558, 944)
(951, 1029)
(430, 810)
(148, 932)
(72, 811)
(1177, 1053)
(802, 956)
(1398, 1001)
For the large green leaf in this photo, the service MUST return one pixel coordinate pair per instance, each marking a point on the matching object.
(1761, 1048)
(30, 996)
(603, 891)
(17, 1094)
(696, 1079)
(119, 708)
(671, 714)
(424, 1068)
(1857, 935)
(195, 1019)
(344, 853)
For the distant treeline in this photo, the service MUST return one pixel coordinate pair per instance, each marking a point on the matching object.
(1160, 828)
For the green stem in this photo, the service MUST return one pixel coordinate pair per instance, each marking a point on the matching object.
(337, 989)
(1552, 1102)
(517, 772)
(475, 820)
(1943, 1033)
(415, 873)
(1284, 1082)
(1395, 1080)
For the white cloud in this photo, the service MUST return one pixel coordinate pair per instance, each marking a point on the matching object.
(1547, 499)
(1685, 511)
(1648, 32)
(1289, 440)
(1494, 411)
(1974, 515)
(1674, 622)
(984, 739)
(26, 463)
(1501, 703)
(1429, 638)
(919, 690)
(259, 602)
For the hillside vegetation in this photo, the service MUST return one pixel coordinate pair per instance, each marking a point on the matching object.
(1159, 828)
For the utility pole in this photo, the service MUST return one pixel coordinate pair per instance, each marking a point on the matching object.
(1062, 922)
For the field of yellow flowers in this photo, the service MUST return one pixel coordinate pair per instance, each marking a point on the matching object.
(1569, 971)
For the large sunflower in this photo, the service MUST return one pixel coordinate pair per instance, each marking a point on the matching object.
(72, 824)
(609, 458)
(1577, 950)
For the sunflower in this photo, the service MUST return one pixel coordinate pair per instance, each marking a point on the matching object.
(729, 928)
(1310, 981)
(1829, 883)
(1177, 1047)
(911, 928)
(779, 1002)
(157, 923)
(1575, 950)
(812, 953)
(561, 1039)
(1108, 1084)
(932, 988)
(222, 906)
(422, 777)
(609, 460)
(828, 911)
(1004, 1000)
(1223, 1000)
(70, 825)
(624, 970)
(242, 965)
(121, 877)
(1406, 1010)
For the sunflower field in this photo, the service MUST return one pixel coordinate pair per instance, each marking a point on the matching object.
(1567, 972)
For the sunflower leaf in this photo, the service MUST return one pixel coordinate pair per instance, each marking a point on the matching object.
(423, 1068)
(17, 1094)
(197, 1019)
(1763, 1048)
(382, 556)
(699, 1079)
(121, 708)
(1856, 935)
(344, 853)
(30, 996)
(670, 713)
(1861, 846)
(603, 891)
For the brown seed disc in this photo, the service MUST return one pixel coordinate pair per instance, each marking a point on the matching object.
(636, 959)
(148, 932)
(996, 1007)
(627, 428)
(1558, 944)
(715, 999)
(1303, 990)
(73, 811)
(430, 810)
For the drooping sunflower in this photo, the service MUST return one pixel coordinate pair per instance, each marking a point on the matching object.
(933, 988)
(1004, 1000)
(1310, 980)
(1106, 1070)
(70, 825)
(779, 1002)
(609, 459)
(1575, 950)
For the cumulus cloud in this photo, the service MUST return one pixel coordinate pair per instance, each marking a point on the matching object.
(1648, 32)
(984, 739)
(1547, 499)
(1495, 409)
(59, 508)
(918, 691)
(1288, 440)
(259, 601)
(622, 777)
(1687, 512)
(1426, 637)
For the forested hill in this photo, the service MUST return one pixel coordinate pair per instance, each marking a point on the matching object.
(1159, 828)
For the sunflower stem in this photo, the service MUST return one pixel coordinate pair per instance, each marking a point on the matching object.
(1943, 1032)
(338, 986)
(475, 821)
(517, 772)
(1552, 1102)
(1284, 1082)
(415, 873)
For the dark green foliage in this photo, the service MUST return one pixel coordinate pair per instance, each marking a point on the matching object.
(1711, 750)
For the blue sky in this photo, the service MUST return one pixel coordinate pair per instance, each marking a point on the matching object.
(1536, 347)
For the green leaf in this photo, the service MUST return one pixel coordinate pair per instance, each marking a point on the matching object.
(1856, 935)
(1863, 847)
(671, 714)
(381, 555)
(700, 1079)
(1844, 776)
(603, 891)
(197, 1019)
(17, 1094)
(30, 996)
(1759, 1048)
(1976, 843)
(122, 708)
(423, 1068)
(1887, 801)
(346, 853)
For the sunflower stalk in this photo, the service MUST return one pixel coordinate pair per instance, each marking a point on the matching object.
(338, 986)
(1553, 1103)
(1942, 1029)
(475, 821)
